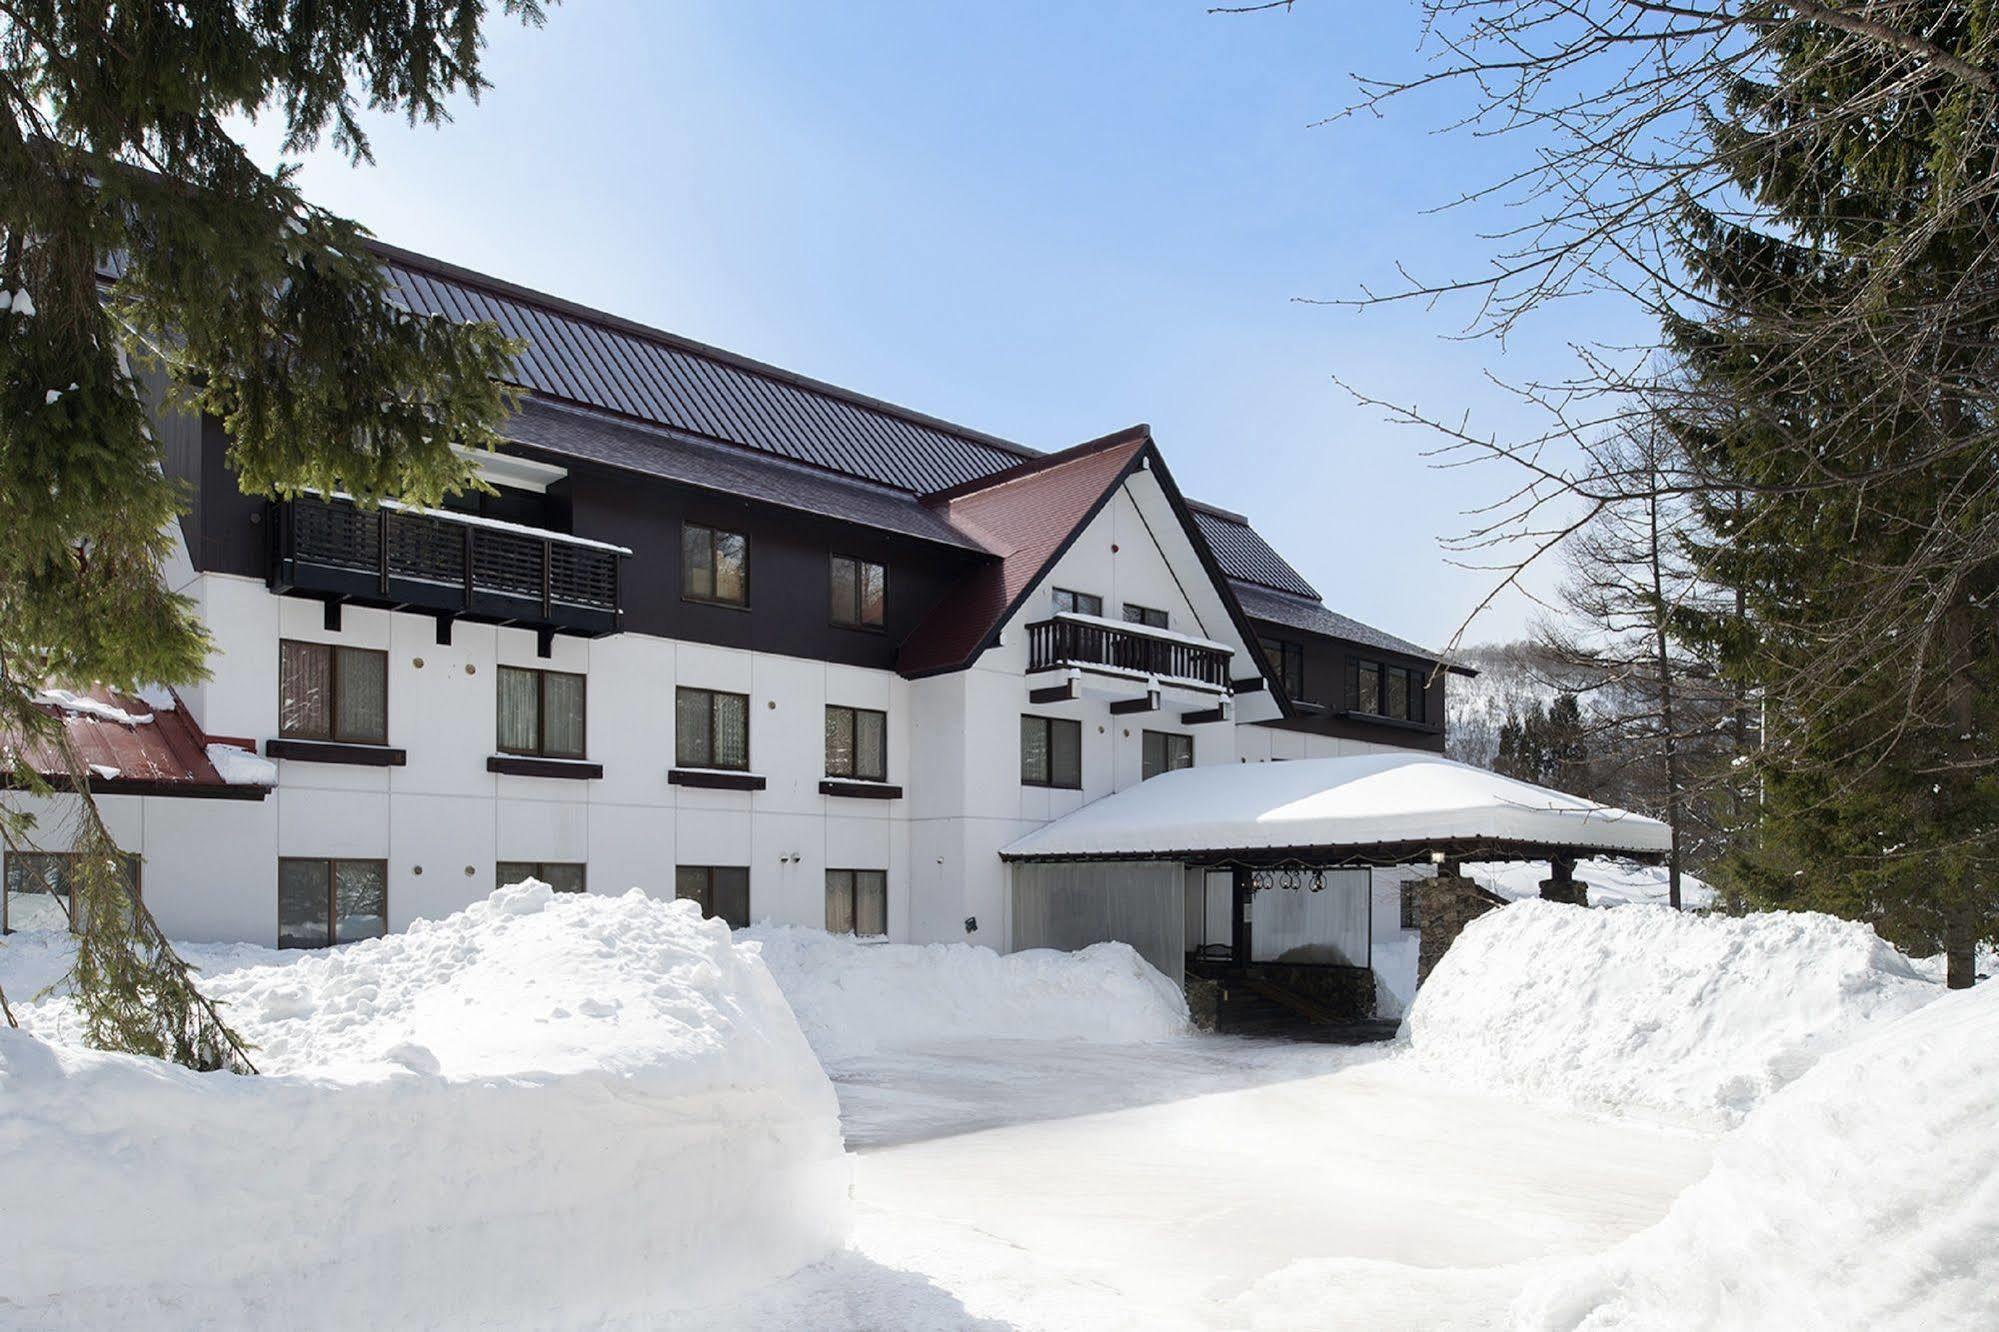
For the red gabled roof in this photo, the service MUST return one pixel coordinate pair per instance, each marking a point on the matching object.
(1027, 515)
(128, 746)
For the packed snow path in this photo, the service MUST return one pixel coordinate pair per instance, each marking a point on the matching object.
(1208, 1182)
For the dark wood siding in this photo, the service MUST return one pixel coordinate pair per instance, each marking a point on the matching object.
(1326, 685)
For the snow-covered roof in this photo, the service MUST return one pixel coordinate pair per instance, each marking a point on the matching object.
(1364, 801)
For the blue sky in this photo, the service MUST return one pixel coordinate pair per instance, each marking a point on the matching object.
(1043, 221)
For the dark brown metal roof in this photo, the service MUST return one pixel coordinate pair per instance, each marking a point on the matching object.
(1260, 603)
(1246, 556)
(161, 751)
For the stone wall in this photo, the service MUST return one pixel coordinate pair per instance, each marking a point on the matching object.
(1448, 903)
(1345, 993)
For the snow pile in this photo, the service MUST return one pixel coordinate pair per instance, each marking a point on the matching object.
(1611, 882)
(1865, 1194)
(855, 999)
(83, 705)
(239, 767)
(543, 1109)
(1650, 1008)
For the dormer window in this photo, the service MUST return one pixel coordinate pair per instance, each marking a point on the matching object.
(1077, 603)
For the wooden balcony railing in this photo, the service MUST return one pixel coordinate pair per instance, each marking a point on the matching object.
(1078, 640)
(433, 560)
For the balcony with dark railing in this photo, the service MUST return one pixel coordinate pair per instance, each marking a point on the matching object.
(1106, 646)
(446, 563)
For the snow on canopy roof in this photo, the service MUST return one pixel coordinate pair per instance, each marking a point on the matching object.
(1371, 800)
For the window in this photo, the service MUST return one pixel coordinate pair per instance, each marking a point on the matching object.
(563, 876)
(1051, 752)
(1165, 751)
(1412, 905)
(1288, 660)
(711, 730)
(860, 593)
(714, 565)
(856, 743)
(1077, 603)
(41, 889)
(323, 902)
(722, 891)
(328, 692)
(856, 901)
(541, 713)
(1145, 615)
(1395, 692)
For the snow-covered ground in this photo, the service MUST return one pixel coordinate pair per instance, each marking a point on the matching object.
(1039, 1143)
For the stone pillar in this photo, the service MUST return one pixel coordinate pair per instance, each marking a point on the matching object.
(1448, 903)
(1564, 886)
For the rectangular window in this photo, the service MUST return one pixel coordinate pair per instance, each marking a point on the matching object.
(1077, 603)
(1412, 906)
(860, 593)
(856, 743)
(856, 901)
(1419, 685)
(1364, 687)
(714, 565)
(329, 692)
(1288, 661)
(1395, 702)
(541, 713)
(1145, 615)
(323, 902)
(721, 891)
(563, 876)
(1051, 752)
(1165, 751)
(711, 730)
(41, 890)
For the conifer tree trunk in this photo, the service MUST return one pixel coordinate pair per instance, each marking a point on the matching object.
(1663, 659)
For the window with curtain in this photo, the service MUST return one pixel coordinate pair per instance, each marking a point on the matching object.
(721, 891)
(856, 743)
(322, 902)
(860, 593)
(40, 890)
(857, 901)
(1164, 751)
(714, 565)
(541, 713)
(1145, 615)
(1078, 603)
(327, 691)
(711, 729)
(563, 876)
(1051, 752)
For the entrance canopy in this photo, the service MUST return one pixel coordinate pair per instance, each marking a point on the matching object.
(1379, 809)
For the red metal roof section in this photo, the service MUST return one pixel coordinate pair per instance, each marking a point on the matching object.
(170, 749)
(1027, 515)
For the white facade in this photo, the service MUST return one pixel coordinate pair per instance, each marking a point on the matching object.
(209, 870)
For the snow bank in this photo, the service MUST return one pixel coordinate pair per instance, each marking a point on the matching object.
(1650, 1008)
(1611, 882)
(545, 1108)
(855, 998)
(1865, 1194)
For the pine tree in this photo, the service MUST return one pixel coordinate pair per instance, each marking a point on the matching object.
(137, 235)
(1861, 524)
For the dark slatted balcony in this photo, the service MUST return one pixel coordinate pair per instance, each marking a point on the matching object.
(430, 560)
(1090, 643)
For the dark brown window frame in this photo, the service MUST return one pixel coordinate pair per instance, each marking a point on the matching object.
(1416, 685)
(540, 749)
(1057, 594)
(334, 674)
(857, 774)
(1144, 615)
(1286, 651)
(332, 905)
(1169, 737)
(10, 854)
(860, 600)
(1051, 723)
(707, 901)
(686, 570)
(854, 894)
(537, 870)
(713, 694)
